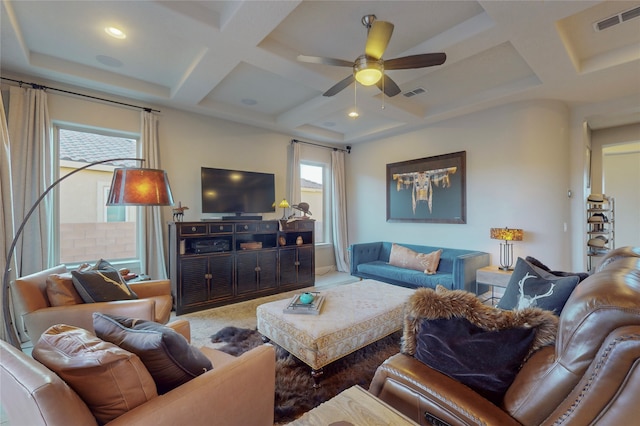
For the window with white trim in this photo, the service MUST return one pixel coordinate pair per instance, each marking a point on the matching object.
(313, 190)
(88, 230)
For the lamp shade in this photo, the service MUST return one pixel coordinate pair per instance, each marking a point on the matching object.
(506, 234)
(284, 204)
(140, 187)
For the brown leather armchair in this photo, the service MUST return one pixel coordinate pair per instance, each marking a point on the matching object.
(237, 391)
(34, 313)
(591, 375)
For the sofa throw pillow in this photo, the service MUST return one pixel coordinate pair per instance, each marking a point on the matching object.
(60, 290)
(104, 285)
(530, 286)
(102, 265)
(485, 360)
(110, 380)
(166, 354)
(426, 307)
(535, 262)
(404, 257)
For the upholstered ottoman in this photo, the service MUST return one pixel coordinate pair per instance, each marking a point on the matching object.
(352, 316)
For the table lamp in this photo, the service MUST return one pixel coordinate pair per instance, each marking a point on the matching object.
(506, 248)
(284, 205)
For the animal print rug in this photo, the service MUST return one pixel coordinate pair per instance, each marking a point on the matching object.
(295, 394)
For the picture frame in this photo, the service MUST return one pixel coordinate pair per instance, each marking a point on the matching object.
(431, 189)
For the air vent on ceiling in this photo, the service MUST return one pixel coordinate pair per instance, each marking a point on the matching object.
(414, 92)
(617, 19)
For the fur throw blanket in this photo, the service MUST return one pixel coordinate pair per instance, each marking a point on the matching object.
(431, 304)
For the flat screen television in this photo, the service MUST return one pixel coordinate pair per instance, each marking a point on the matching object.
(236, 191)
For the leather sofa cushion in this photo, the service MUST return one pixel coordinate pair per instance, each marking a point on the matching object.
(110, 380)
(166, 354)
(382, 271)
(60, 290)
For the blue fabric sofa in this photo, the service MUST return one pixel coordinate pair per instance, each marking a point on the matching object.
(456, 271)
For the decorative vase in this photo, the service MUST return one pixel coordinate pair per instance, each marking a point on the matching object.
(306, 298)
(299, 240)
(282, 240)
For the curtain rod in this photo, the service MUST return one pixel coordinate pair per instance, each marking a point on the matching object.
(347, 150)
(40, 86)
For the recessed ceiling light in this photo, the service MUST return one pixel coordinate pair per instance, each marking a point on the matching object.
(354, 114)
(115, 32)
(248, 101)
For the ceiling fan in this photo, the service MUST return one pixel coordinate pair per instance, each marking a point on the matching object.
(368, 69)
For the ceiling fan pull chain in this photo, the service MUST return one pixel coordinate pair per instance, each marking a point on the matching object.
(383, 93)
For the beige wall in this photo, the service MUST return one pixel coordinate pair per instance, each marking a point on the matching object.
(616, 172)
(621, 181)
(517, 176)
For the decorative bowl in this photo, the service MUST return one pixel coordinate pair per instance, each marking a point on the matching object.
(306, 298)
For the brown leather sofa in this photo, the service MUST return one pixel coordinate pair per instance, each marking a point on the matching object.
(34, 313)
(591, 375)
(237, 391)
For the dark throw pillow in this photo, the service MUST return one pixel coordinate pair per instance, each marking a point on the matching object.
(170, 359)
(530, 286)
(486, 361)
(453, 332)
(101, 285)
(535, 262)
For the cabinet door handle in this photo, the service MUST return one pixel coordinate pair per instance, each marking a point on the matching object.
(193, 229)
(257, 269)
(296, 263)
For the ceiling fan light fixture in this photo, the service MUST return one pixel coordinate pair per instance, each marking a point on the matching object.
(115, 33)
(367, 71)
(369, 76)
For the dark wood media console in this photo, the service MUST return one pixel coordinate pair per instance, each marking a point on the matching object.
(215, 263)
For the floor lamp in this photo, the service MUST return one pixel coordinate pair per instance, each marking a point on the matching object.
(129, 187)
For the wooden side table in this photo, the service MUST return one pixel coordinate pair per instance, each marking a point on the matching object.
(493, 277)
(354, 406)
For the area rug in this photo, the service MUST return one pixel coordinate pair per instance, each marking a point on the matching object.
(295, 394)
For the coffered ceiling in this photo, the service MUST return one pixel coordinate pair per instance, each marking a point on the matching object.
(237, 59)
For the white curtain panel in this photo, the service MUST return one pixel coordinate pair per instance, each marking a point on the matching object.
(31, 150)
(339, 211)
(153, 256)
(30, 165)
(294, 174)
(6, 214)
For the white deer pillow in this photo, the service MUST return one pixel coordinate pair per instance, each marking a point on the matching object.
(531, 286)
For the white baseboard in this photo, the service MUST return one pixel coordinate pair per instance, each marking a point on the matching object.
(325, 269)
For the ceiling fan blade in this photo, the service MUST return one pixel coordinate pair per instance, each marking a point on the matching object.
(325, 61)
(338, 87)
(378, 39)
(415, 61)
(390, 87)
